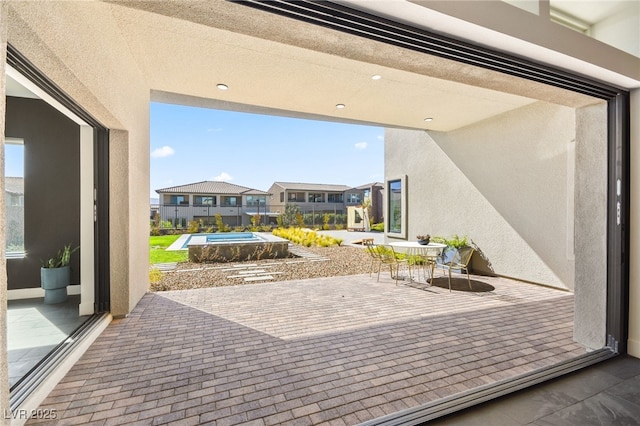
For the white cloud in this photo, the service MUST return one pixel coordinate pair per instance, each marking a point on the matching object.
(380, 137)
(223, 177)
(165, 151)
(361, 145)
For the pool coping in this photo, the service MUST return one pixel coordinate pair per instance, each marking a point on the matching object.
(177, 244)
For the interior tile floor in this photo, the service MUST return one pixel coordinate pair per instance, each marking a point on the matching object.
(605, 394)
(34, 329)
(334, 351)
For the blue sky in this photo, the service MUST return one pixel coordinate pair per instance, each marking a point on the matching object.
(194, 144)
(13, 160)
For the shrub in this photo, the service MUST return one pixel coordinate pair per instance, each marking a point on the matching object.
(455, 241)
(290, 215)
(306, 238)
(378, 227)
(155, 275)
(222, 227)
(194, 227)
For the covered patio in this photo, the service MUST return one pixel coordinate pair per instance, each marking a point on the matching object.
(341, 350)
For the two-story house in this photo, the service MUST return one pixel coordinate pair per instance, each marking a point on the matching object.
(202, 201)
(318, 198)
(309, 197)
(371, 194)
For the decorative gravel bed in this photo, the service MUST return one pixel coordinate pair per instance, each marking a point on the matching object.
(329, 261)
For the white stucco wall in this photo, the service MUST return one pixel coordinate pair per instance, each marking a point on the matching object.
(100, 74)
(528, 188)
(506, 183)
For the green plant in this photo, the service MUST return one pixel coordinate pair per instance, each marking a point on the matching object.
(325, 221)
(378, 227)
(456, 241)
(194, 227)
(155, 275)
(306, 238)
(61, 258)
(289, 217)
(222, 227)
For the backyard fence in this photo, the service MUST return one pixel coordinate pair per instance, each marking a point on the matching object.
(179, 216)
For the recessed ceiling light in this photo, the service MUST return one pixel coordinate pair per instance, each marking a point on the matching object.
(376, 77)
(428, 119)
(340, 106)
(222, 86)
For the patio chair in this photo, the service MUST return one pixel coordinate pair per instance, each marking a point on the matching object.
(460, 260)
(389, 257)
(373, 251)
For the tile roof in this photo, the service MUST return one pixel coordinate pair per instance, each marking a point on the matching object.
(296, 186)
(211, 187)
(14, 185)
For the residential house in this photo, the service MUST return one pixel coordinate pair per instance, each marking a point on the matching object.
(202, 201)
(316, 199)
(370, 193)
(471, 97)
(311, 198)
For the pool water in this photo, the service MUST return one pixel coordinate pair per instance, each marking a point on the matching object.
(226, 237)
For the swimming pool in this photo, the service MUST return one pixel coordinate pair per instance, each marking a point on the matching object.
(232, 246)
(225, 237)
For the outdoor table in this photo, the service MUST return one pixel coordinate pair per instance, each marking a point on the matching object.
(429, 252)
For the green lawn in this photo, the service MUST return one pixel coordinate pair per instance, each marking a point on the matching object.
(158, 254)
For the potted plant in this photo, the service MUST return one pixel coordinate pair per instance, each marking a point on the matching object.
(453, 245)
(55, 275)
(423, 239)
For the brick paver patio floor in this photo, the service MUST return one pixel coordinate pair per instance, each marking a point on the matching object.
(333, 350)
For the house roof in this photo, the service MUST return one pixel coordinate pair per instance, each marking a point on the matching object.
(14, 185)
(211, 187)
(368, 185)
(297, 186)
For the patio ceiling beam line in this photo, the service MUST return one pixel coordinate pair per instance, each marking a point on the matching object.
(341, 18)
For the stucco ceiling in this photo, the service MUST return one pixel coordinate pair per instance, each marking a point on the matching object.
(274, 64)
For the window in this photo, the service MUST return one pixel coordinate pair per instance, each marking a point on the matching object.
(295, 196)
(282, 197)
(335, 198)
(204, 200)
(354, 198)
(181, 200)
(316, 197)
(229, 201)
(14, 196)
(256, 200)
(396, 213)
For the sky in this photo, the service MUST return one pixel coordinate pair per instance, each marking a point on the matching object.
(195, 144)
(13, 160)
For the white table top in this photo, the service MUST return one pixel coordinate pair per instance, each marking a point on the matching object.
(415, 244)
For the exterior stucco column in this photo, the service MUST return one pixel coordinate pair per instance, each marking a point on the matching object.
(119, 220)
(4, 367)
